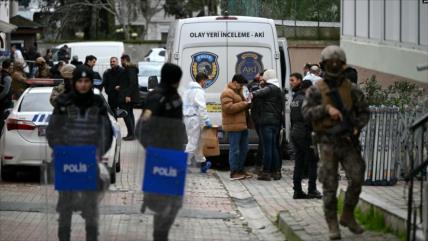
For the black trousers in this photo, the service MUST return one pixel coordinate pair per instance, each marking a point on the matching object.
(129, 119)
(78, 201)
(304, 153)
(259, 158)
(112, 102)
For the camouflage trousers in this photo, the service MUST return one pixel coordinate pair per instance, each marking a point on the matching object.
(331, 154)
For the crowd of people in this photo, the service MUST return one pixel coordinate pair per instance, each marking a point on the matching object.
(327, 114)
(120, 82)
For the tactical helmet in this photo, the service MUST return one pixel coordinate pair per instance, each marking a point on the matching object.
(333, 52)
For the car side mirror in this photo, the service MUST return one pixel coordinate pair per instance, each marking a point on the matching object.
(152, 82)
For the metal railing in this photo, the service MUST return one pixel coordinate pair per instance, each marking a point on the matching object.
(380, 145)
(417, 214)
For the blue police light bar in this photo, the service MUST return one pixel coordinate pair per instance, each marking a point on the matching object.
(43, 82)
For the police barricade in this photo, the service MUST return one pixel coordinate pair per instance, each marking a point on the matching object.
(380, 146)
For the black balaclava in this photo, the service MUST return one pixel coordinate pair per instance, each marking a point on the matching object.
(170, 77)
(82, 100)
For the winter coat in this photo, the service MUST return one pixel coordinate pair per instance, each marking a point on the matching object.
(43, 72)
(161, 124)
(256, 104)
(233, 109)
(129, 84)
(300, 128)
(111, 79)
(18, 83)
(272, 103)
(5, 91)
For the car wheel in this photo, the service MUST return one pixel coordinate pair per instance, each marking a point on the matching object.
(118, 164)
(112, 176)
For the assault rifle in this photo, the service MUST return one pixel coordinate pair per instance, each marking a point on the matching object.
(345, 127)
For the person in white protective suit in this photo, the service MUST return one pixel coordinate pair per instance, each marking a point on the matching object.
(195, 118)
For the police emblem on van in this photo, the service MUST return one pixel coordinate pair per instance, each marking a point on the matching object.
(249, 64)
(207, 63)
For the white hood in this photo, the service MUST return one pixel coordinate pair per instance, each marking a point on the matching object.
(274, 82)
(270, 77)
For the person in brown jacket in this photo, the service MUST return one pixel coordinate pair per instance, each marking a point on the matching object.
(18, 80)
(43, 70)
(234, 108)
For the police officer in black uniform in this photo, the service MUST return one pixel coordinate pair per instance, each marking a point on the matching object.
(161, 125)
(80, 118)
(302, 141)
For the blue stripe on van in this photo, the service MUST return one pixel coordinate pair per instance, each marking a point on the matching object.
(42, 117)
(35, 117)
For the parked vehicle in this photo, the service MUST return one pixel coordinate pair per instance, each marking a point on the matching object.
(103, 50)
(23, 142)
(222, 46)
(155, 55)
(146, 70)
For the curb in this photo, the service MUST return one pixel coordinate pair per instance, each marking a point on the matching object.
(290, 228)
(250, 210)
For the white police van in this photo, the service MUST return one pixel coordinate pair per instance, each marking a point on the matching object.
(221, 46)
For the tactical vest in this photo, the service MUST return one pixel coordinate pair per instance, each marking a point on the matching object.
(344, 90)
(78, 129)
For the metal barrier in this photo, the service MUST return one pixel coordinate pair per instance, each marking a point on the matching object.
(379, 146)
(417, 212)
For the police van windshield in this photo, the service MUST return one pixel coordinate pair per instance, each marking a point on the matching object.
(35, 102)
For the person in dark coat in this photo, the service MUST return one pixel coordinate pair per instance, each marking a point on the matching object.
(64, 54)
(302, 141)
(128, 94)
(161, 125)
(5, 90)
(90, 62)
(111, 82)
(270, 124)
(75, 61)
(256, 107)
(56, 70)
(80, 118)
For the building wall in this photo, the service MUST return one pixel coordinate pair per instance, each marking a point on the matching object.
(4, 16)
(374, 31)
(4, 11)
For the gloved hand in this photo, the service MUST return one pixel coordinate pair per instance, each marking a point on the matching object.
(208, 124)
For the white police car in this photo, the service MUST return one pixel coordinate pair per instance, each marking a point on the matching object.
(23, 139)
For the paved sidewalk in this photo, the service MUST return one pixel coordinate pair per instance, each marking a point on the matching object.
(303, 219)
(27, 210)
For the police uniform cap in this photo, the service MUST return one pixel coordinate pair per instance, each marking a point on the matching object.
(79, 73)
